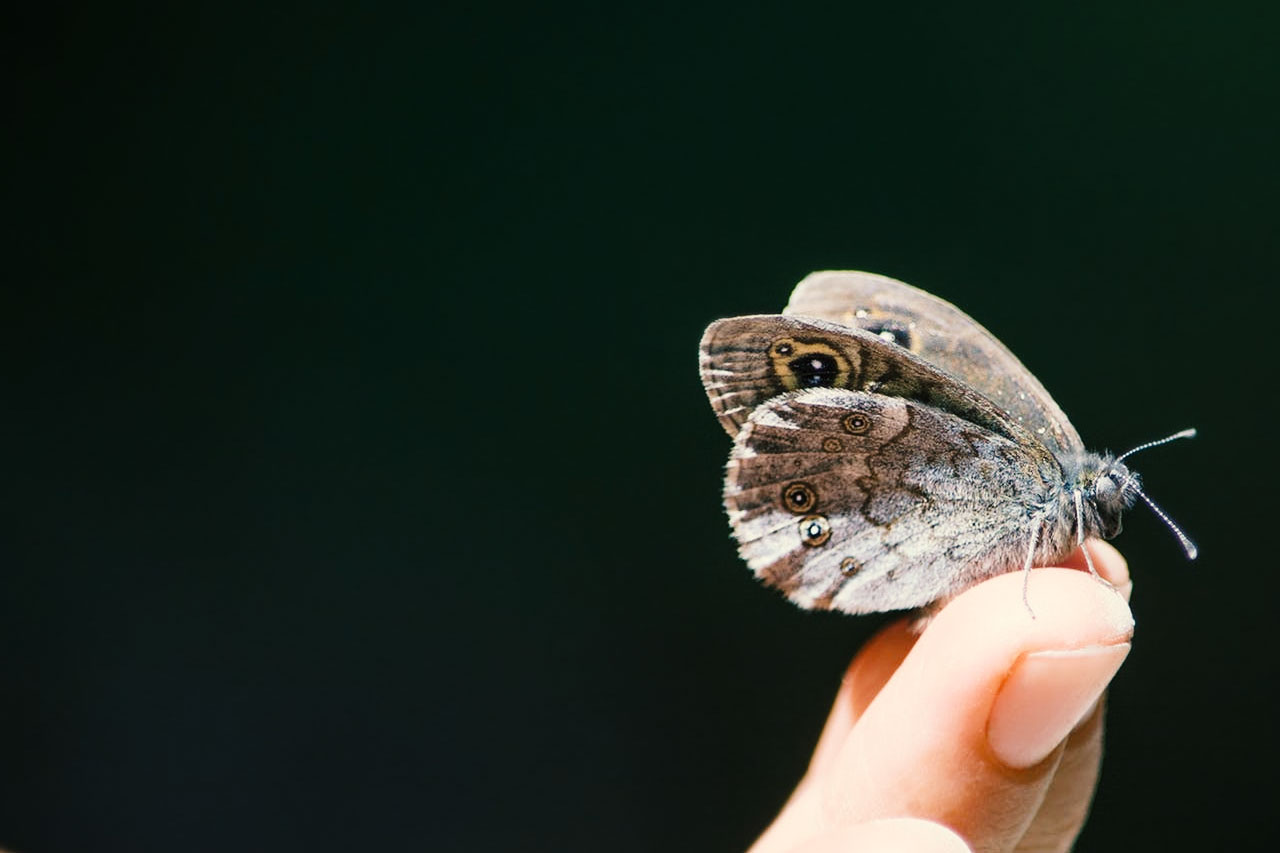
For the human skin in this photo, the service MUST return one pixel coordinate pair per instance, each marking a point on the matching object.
(983, 732)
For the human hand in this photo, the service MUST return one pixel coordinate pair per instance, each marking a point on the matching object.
(987, 727)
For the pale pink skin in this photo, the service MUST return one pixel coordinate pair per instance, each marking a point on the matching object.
(983, 733)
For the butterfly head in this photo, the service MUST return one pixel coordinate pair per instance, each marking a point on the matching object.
(1112, 489)
(1109, 486)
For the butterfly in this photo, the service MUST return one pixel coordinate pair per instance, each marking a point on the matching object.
(889, 452)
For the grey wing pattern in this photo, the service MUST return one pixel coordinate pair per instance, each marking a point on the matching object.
(942, 335)
(862, 502)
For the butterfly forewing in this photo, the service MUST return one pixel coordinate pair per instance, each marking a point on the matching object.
(748, 360)
(862, 502)
(944, 336)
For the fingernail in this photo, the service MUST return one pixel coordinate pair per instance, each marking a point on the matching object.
(1045, 697)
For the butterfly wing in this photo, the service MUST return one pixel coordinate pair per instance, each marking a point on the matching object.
(943, 335)
(863, 502)
(746, 361)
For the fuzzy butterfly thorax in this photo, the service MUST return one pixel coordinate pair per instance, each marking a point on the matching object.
(889, 452)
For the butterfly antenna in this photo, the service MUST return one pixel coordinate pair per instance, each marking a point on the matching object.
(1187, 544)
(1186, 433)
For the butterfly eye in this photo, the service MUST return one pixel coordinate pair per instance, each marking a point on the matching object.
(856, 423)
(1105, 486)
(814, 530)
(799, 497)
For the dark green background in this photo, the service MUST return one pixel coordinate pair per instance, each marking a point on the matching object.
(360, 492)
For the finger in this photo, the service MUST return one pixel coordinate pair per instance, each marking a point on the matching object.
(1068, 796)
(1107, 561)
(1066, 803)
(893, 835)
(968, 731)
(881, 656)
(875, 663)
(1062, 813)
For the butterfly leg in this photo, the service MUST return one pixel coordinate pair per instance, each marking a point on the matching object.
(1026, 566)
(1088, 560)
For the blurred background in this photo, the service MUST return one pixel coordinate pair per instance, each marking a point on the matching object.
(360, 490)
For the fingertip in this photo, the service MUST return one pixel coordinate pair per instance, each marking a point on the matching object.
(1107, 561)
(1111, 565)
(1063, 609)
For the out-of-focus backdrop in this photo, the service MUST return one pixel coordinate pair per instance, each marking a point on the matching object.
(360, 492)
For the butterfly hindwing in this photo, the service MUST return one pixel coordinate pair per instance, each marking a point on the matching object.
(841, 499)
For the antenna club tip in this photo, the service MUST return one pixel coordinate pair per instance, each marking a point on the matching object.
(1188, 433)
(1193, 552)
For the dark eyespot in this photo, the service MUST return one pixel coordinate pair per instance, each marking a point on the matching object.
(814, 370)
(832, 445)
(783, 348)
(799, 497)
(850, 567)
(856, 423)
(815, 530)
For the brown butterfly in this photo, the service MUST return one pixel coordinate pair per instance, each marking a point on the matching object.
(889, 452)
